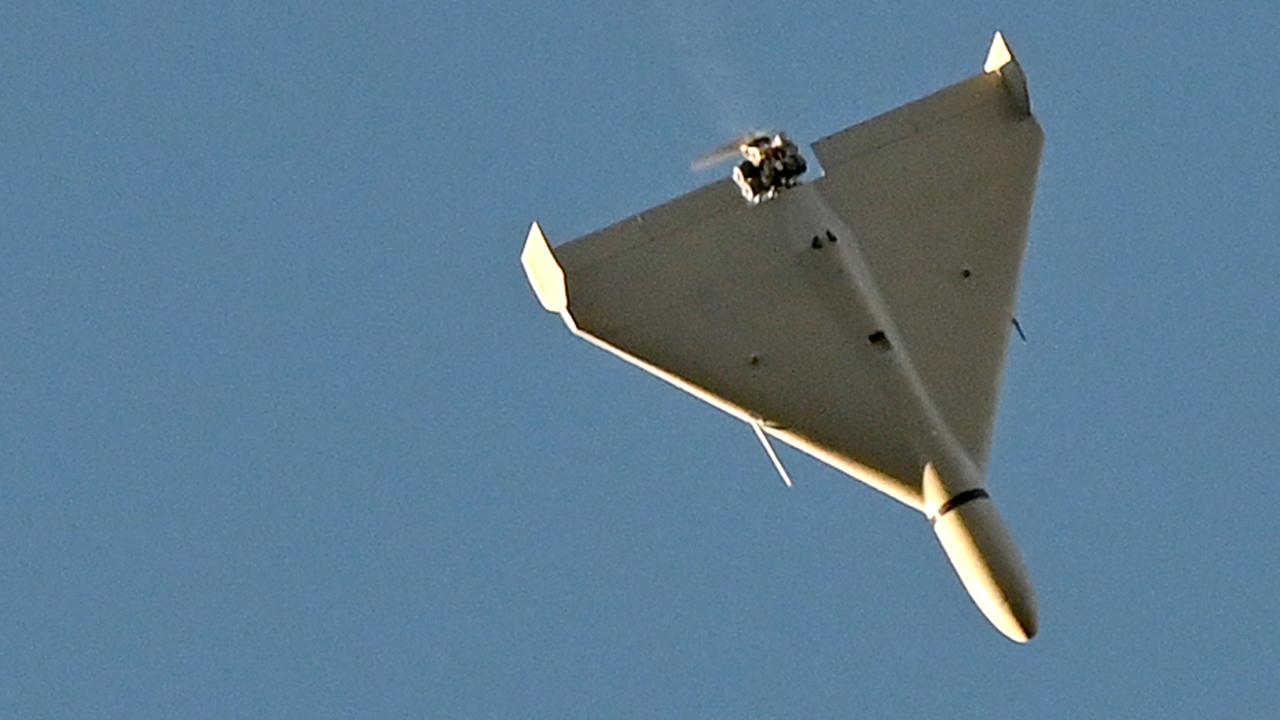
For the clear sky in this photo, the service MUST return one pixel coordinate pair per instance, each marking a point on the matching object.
(285, 433)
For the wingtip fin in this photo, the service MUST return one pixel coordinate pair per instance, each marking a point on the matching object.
(545, 275)
(998, 55)
(1001, 61)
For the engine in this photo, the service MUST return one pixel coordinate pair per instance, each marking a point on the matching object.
(769, 164)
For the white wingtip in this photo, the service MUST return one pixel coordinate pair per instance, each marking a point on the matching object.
(1002, 63)
(543, 271)
(998, 55)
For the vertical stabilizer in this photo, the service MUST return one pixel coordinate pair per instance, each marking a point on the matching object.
(543, 271)
(1001, 61)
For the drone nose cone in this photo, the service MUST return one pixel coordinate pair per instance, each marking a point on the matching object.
(1028, 626)
(982, 551)
(1017, 619)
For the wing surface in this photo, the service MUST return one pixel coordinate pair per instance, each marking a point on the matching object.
(736, 302)
(813, 312)
(939, 195)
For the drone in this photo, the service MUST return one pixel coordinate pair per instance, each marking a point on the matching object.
(861, 317)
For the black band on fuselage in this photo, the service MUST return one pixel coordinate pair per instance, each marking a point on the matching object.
(959, 499)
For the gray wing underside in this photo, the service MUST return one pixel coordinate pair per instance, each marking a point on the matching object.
(756, 310)
(932, 190)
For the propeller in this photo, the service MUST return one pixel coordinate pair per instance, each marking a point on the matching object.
(727, 151)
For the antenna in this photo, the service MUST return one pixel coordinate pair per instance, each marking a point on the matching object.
(768, 448)
(1018, 326)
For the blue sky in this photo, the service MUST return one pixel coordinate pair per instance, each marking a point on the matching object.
(286, 434)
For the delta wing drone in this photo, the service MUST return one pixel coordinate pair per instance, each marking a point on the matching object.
(862, 318)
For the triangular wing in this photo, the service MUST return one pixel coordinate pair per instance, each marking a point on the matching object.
(821, 313)
(939, 194)
(733, 304)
